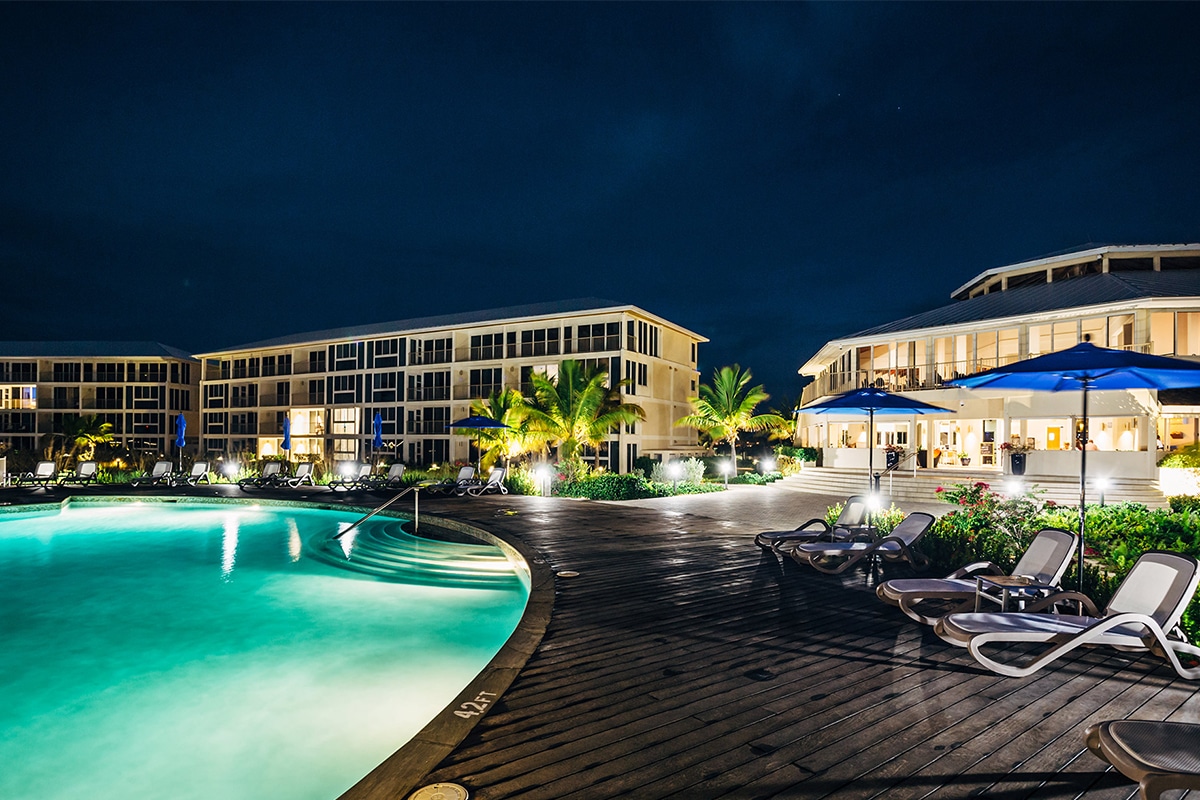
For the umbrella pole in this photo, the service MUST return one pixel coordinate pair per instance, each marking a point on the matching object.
(871, 499)
(1083, 483)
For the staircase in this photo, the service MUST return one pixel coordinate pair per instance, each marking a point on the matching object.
(384, 549)
(903, 486)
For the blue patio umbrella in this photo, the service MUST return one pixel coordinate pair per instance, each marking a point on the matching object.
(377, 429)
(478, 423)
(1085, 367)
(286, 444)
(872, 401)
(180, 441)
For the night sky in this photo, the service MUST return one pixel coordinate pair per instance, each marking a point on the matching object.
(768, 175)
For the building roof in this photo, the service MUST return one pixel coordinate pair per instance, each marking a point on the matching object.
(1088, 290)
(91, 350)
(550, 309)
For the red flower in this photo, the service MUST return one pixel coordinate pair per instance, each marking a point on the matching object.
(981, 485)
(939, 490)
(1051, 503)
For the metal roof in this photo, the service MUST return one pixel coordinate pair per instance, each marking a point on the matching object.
(1088, 290)
(532, 310)
(91, 350)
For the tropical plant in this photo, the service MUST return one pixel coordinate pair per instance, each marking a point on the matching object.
(576, 408)
(80, 435)
(507, 444)
(726, 408)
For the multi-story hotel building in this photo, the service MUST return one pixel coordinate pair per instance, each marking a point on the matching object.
(1144, 298)
(419, 375)
(139, 387)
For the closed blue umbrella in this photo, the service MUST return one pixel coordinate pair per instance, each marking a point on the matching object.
(286, 444)
(377, 429)
(180, 441)
(1086, 367)
(871, 402)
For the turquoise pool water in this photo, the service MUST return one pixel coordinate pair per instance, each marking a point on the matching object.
(194, 651)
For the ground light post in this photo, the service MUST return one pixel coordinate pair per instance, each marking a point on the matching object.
(675, 472)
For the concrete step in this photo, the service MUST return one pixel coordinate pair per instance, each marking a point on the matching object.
(903, 486)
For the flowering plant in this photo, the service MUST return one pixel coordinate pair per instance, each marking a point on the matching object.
(1013, 447)
(894, 448)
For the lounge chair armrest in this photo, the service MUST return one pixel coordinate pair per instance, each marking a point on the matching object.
(977, 568)
(1087, 607)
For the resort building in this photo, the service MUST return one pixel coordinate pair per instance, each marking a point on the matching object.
(139, 387)
(1143, 298)
(419, 375)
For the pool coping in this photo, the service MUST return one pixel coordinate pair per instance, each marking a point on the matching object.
(402, 772)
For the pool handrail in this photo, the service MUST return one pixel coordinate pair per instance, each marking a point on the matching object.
(385, 504)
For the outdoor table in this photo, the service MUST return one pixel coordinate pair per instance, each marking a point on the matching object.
(1018, 587)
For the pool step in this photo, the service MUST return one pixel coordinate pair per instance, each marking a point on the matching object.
(384, 550)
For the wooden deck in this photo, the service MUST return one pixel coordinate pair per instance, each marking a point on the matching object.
(682, 662)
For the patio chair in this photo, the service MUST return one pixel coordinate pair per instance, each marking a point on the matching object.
(898, 546)
(86, 473)
(272, 474)
(1142, 615)
(1041, 568)
(44, 473)
(199, 474)
(351, 476)
(494, 484)
(851, 522)
(303, 476)
(465, 477)
(392, 479)
(1160, 756)
(162, 473)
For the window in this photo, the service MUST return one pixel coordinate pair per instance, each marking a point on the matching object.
(316, 392)
(429, 451)
(150, 373)
(244, 396)
(316, 361)
(387, 353)
(148, 397)
(599, 337)
(245, 424)
(429, 386)
(284, 365)
(181, 400)
(216, 395)
(1120, 331)
(344, 388)
(429, 420)
(345, 356)
(643, 338)
(383, 387)
(1187, 333)
(540, 342)
(268, 366)
(487, 346)
(147, 423)
(110, 397)
(67, 373)
(214, 423)
(345, 421)
(485, 382)
(109, 373)
(388, 415)
(431, 351)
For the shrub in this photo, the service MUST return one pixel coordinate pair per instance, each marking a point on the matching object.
(520, 480)
(693, 471)
(645, 465)
(1185, 457)
(611, 486)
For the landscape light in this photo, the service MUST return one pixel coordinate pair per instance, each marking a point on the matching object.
(767, 465)
(1101, 484)
(542, 472)
(229, 469)
(675, 472)
(1014, 488)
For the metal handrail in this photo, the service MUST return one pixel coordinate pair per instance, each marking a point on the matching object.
(416, 511)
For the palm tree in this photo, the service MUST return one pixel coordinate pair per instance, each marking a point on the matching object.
(80, 435)
(726, 408)
(577, 408)
(509, 408)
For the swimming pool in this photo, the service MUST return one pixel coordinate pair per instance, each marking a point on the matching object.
(195, 651)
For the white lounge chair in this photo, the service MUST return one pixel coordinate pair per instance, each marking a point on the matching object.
(457, 486)
(392, 479)
(198, 474)
(898, 546)
(351, 476)
(1142, 615)
(160, 473)
(44, 473)
(86, 473)
(494, 483)
(303, 476)
(1041, 566)
(271, 475)
(1160, 756)
(851, 522)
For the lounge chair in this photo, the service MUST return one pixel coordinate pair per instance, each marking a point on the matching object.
(1041, 568)
(272, 474)
(851, 522)
(162, 473)
(303, 476)
(1142, 615)
(351, 476)
(466, 476)
(1160, 756)
(898, 546)
(394, 479)
(199, 474)
(86, 473)
(44, 473)
(494, 484)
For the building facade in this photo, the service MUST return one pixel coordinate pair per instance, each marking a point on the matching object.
(1143, 298)
(420, 375)
(138, 387)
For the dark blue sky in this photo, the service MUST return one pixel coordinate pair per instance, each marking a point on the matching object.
(769, 175)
